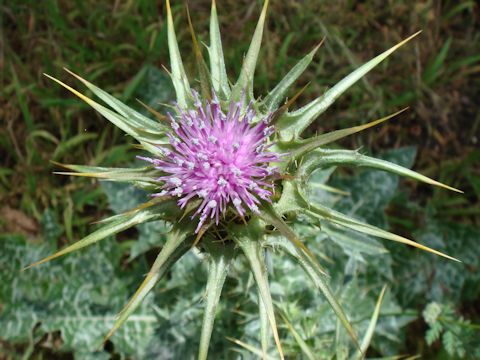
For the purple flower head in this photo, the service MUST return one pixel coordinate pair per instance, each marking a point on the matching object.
(220, 158)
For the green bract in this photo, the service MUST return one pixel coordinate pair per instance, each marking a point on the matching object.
(250, 236)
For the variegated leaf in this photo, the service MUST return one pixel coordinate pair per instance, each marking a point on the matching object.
(338, 218)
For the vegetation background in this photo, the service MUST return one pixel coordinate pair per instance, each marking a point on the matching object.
(121, 47)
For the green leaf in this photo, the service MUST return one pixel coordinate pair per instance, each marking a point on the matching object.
(335, 217)
(322, 158)
(318, 278)
(248, 239)
(143, 175)
(433, 69)
(175, 247)
(141, 134)
(251, 348)
(367, 338)
(245, 80)
(102, 233)
(179, 77)
(75, 297)
(217, 62)
(433, 334)
(451, 343)
(300, 147)
(264, 326)
(133, 116)
(279, 92)
(291, 125)
(303, 345)
(431, 313)
(220, 258)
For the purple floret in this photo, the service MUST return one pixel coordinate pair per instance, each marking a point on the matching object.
(220, 158)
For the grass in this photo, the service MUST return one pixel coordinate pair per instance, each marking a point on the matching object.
(110, 44)
(113, 44)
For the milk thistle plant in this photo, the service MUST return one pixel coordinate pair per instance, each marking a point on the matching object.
(230, 172)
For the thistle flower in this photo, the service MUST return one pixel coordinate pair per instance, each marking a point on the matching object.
(220, 160)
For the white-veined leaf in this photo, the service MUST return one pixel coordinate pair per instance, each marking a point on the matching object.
(338, 218)
(319, 279)
(251, 348)
(303, 345)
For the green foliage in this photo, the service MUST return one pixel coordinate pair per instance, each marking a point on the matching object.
(93, 285)
(370, 192)
(77, 296)
(434, 280)
(121, 198)
(151, 86)
(415, 276)
(459, 337)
